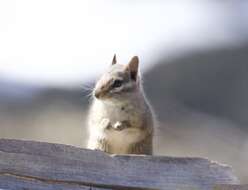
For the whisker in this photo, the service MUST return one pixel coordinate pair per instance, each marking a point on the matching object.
(87, 89)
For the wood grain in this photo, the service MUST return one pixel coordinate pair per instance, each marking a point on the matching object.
(231, 187)
(45, 166)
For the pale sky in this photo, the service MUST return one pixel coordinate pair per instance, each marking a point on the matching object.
(61, 42)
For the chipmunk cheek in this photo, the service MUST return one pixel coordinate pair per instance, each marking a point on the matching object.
(117, 90)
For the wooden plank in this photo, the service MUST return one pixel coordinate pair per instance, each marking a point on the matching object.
(231, 187)
(62, 164)
(16, 183)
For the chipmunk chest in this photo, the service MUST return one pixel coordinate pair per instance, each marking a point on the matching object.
(122, 113)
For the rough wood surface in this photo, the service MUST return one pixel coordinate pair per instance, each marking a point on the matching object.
(45, 166)
(231, 187)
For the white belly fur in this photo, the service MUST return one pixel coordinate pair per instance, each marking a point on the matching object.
(119, 140)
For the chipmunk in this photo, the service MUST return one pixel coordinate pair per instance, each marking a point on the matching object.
(121, 120)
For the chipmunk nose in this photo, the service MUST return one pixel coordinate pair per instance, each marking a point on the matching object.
(97, 93)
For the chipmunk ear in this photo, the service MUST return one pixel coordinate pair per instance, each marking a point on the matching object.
(114, 60)
(133, 66)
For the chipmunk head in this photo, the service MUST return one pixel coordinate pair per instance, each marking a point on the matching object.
(118, 81)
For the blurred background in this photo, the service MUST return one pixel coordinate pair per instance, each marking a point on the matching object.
(194, 60)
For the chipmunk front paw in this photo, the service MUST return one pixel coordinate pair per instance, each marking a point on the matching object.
(120, 125)
(105, 124)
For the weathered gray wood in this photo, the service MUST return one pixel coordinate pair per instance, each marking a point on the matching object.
(47, 164)
(15, 183)
(231, 187)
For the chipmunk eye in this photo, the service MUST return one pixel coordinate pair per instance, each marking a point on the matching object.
(117, 83)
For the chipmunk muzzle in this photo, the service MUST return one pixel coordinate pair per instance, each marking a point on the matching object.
(97, 93)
